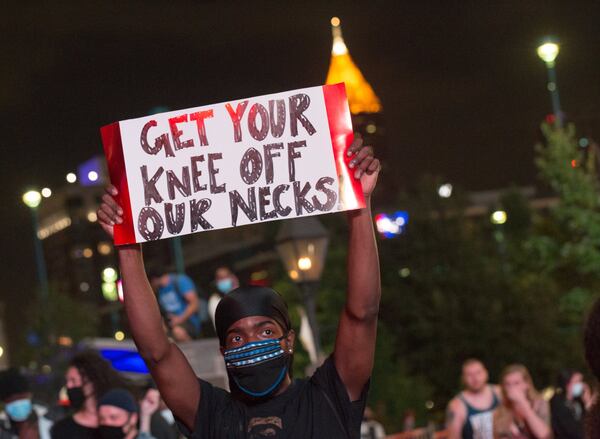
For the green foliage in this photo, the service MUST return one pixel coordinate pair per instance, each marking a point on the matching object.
(60, 315)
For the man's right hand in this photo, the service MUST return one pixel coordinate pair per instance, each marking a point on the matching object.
(110, 213)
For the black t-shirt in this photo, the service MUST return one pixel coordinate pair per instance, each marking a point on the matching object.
(68, 428)
(318, 407)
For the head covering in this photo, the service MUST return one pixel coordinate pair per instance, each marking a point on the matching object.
(12, 382)
(119, 398)
(247, 302)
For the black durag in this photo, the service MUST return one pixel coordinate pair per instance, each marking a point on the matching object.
(248, 302)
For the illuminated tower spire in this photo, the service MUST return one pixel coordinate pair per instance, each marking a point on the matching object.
(361, 97)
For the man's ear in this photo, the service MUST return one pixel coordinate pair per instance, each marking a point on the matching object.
(290, 340)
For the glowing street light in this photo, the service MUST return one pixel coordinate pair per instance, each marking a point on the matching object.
(302, 246)
(499, 217)
(32, 199)
(445, 190)
(71, 177)
(548, 52)
(119, 336)
(46, 192)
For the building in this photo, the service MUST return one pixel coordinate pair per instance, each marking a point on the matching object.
(76, 249)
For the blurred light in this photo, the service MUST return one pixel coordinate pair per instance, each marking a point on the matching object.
(54, 227)
(92, 216)
(1, 351)
(84, 286)
(371, 128)
(429, 405)
(584, 142)
(32, 199)
(46, 192)
(391, 225)
(125, 360)
(445, 190)
(91, 172)
(548, 52)
(104, 248)
(573, 163)
(46, 369)
(119, 336)
(71, 177)
(550, 119)
(65, 340)
(304, 263)
(335, 21)
(293, 274)
(548, 393)
(88, 252)
(109, 291)
(109, 274)
(404, 272)
(120, 290)
(499, 217)
(551, 86)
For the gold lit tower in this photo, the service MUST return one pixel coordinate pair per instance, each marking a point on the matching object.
(365, 106)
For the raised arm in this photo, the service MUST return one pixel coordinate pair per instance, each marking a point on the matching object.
(170, 369)
(357, 330)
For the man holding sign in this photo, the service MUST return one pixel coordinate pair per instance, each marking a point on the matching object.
(256, 337)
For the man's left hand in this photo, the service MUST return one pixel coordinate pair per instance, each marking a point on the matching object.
(366, 167)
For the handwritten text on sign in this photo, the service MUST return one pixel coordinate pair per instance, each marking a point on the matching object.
(229, 164)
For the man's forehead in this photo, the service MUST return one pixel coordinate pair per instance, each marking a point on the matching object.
(250, 323)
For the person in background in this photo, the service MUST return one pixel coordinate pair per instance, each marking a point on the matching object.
(118, 416)
(370, 428)
(469, 415)
(571, 401)
(409, 421)
(88, 377)
(591, 344)
(226, 281)
(523, 414)
(179, 300)
(21, 418)
(162, 420)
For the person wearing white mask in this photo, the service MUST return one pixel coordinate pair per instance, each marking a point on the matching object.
(226, 281)
(21, 419)
(572, 399)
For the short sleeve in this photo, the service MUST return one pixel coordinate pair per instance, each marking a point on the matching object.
(350, 413)
(185, 284)
(217, 415)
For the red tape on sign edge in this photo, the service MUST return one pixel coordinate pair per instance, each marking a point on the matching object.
(340, 128)
(113, 150)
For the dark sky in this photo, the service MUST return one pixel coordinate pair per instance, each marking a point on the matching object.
(462, 88)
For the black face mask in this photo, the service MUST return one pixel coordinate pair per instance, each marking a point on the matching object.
(258, 368)
(76, 397)
(107, 432)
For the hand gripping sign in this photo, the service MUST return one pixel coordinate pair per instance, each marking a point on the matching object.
(225, 165)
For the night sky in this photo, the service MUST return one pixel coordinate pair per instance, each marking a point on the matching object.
(462, 88)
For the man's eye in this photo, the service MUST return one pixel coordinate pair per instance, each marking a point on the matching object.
(236, 339)
(268, 331)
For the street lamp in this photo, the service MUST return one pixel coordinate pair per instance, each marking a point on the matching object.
(302, 247)
(548, 53)
(32, 199)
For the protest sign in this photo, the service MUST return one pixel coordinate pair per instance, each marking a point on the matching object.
(230, 164)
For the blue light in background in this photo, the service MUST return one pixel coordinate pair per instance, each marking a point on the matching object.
(125, 361)
(391, 225)
(91, 172)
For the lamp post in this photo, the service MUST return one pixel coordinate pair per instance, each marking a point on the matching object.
(548, 53)
(32, 199)
(302, 247)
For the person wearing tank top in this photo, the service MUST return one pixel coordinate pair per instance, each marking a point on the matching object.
(470, 414)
